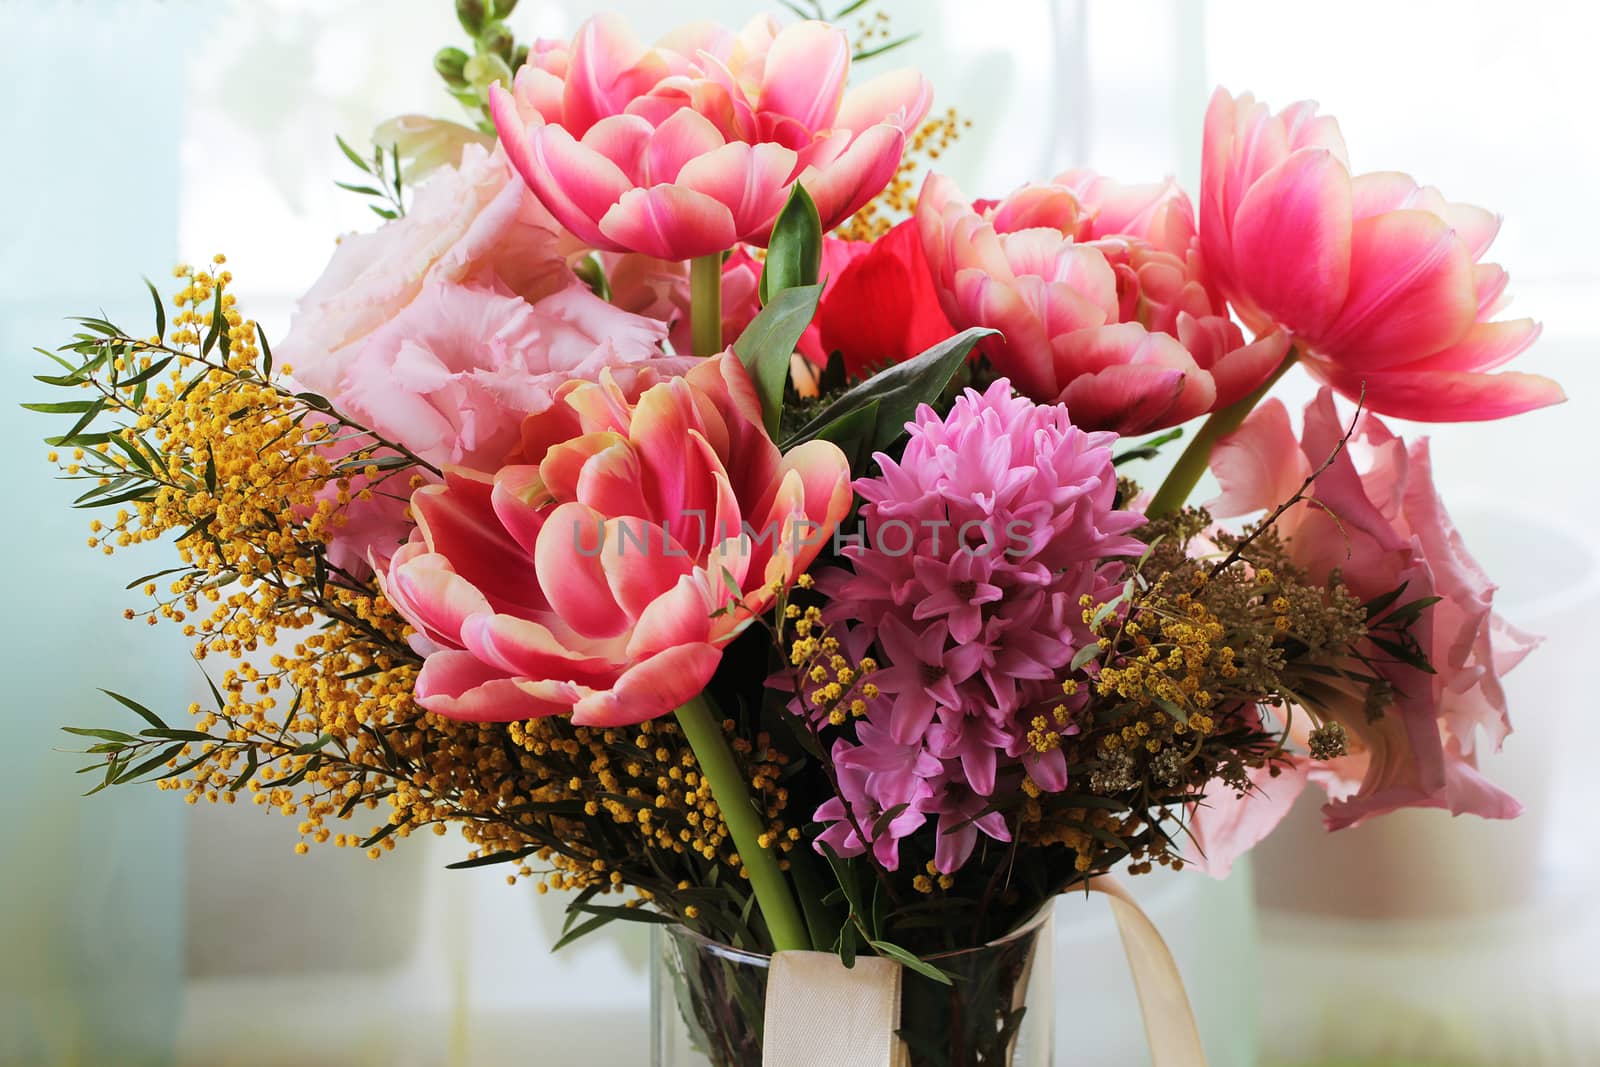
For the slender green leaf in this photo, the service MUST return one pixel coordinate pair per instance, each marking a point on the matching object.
(161, 311)
(137, 708)
(794, 254)
(768, 342)
(910, 961)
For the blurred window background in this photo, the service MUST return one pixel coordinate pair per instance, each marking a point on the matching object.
(138, 930)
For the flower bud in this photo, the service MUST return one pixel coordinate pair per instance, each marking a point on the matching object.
(449, 63)
(485, 69)
(496, 38)
(472, 14)
(502, 8)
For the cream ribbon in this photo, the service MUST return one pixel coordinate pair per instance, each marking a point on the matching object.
(820, 1012)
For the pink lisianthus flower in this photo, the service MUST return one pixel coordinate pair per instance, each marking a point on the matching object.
(980, 541)
(1378, 522)
(691, 146)
(591, 579)
(1380, 281)
(453, 375)
(472, 224)
(1099, 298)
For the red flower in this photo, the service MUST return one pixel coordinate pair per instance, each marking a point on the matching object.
(882, 307)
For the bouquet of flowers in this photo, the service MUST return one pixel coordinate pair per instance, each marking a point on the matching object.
(704, 508)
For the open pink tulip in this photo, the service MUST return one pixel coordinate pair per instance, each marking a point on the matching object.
(1098, 296)
(688, 147)
(1379, 522)
(594, 579)
(1379, 280)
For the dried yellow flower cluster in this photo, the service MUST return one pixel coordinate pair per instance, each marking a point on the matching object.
(930, 141)
(314, 715)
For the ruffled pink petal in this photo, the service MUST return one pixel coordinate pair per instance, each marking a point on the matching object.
(518, 498)
(804, 75)
(1411, 293)
(844, 186)
(650, 688)
(1291, 241)
(669, 222)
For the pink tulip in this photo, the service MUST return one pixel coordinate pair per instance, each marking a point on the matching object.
(1378, 280)
(1099, 297)
(691, 146)
(1378, 521)
(595, 578)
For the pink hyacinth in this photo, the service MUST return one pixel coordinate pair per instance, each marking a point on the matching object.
(1379, 280)
(1378, 521)
(1099, 296)
(688, 147)
(592, 579)
(980, 541)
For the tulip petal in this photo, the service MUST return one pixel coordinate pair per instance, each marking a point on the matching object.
(804, 73)
(682, 138)
(458, 686)
(1293, 228)
(457, 521)
(1442, 396)
(650, 688)
(1486, 346)
(1411, 292)
(844, 186)
(1126, 398)
(899, 97)
(751, 180)
(567, 561)
(527, 649)
(668, 222)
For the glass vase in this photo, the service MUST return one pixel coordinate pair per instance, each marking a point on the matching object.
(708, 1002)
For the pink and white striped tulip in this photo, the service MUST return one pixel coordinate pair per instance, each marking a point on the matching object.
(1379, 280)
(1098, 295)
(690, 146)
(592, 576)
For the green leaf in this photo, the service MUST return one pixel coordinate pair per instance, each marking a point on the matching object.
(794, 255)
(910, 961)
(364, 190)
(491, 859)
(65, 407)
(137, 708)
(897, 390)
(768, 342)
(161, 311)
(101, 735)
(1147, 449)
(1085, 654)
(1406, 614)
(863, 56)
(149, 372)
(250, 764)
(266, 351)
(587, 927)
(158, 760)
(352, 155)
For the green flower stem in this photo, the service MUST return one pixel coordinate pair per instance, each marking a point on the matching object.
(1185, 475)
(705, 303)
(732, 794)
